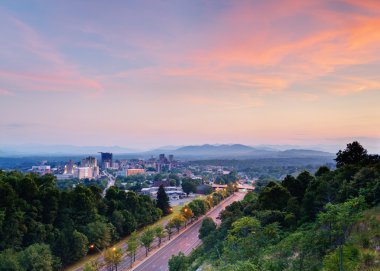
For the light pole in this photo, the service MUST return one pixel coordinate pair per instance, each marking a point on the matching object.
(92, 246)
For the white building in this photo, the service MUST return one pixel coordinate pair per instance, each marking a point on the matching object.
(84, 172)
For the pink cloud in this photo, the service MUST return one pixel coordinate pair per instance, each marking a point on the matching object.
(51, 73)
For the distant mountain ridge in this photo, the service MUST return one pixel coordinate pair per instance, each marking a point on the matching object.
(206, 151)
(243, 151)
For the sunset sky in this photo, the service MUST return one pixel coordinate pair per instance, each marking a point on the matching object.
(144, 74)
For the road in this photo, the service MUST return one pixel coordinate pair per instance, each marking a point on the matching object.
(185, 242)
(111, 182)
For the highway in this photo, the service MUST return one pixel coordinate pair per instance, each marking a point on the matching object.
(185, 241)
(111, 182)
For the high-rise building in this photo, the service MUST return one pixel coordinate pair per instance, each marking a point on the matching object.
(161, 157)
(69, 167)
(89, 162)
(171, 158)
(84, 172)
(106, 158)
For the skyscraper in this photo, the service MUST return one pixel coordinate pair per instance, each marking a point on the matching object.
(106, 158)
(89, 162)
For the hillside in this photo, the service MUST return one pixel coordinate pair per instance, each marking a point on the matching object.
(329, 221)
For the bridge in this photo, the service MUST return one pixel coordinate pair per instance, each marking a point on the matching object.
(241, 187)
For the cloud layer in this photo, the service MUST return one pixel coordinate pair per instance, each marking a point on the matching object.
(190, 71)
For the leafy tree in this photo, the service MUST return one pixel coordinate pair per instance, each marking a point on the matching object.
(9, 261)
(351, 255)
(187, 213)
(163, 200)
(38, 257)
(177, 221)
(79, 245)
(113, 256)
(118, 221)
(322, 171)
(146, 239)
(244, 226)
(178, 262)
(176, 178)
(169, 228)
(188, 186)
(160, 233)
(271, 192)
(99, 234)
(93, 266)
(338, 219)
(132, 246)
(208, 226)
(353, 154)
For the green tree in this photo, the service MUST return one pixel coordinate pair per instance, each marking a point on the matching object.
(99, 233)
(244, 226)
(338, 220)
(93, 266)
(208, 226)
(178, 262)
(188, 186)
(187, 213)
(163, 201)
(146, 239)
(113, 256)
(160, 233)
(274, 191)
(79, 245)
(351, 255)
(38, 257)
(169, 228)
(9, 261)
(177, 221)
(353, 154)
(132, 246)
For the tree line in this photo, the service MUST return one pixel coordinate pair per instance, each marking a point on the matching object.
(44, 228)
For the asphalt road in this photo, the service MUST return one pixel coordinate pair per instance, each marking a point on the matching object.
(185, 241)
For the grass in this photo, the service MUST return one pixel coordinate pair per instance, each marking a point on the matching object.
(92, 257)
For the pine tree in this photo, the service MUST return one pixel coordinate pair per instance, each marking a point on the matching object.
(163, 201)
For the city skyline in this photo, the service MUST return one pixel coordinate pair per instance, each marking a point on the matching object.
(147, 74)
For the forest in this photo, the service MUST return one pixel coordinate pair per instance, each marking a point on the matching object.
(326, 221)
(45, 228)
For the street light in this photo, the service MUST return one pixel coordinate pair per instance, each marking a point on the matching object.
(92, 246)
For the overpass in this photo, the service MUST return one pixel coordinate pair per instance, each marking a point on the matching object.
(241, 187)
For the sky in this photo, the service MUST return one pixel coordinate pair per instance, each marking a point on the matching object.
(143, 74)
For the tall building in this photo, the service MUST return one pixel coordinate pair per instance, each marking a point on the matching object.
(69, 167)
(89, 162)
(171, 158)
(84, 172)
(106, 158)
(161, 157)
